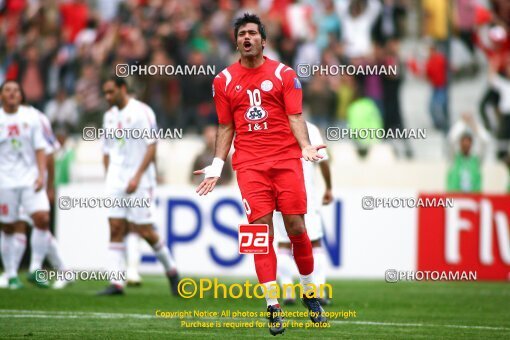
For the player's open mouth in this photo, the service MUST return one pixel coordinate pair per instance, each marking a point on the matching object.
(247, 45)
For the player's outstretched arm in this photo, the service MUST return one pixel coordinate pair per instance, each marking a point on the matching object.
(300, 131)
(212, 172)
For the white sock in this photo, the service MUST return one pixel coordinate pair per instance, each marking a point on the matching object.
(319, 270)
(271, 291)
(20, 244)
(54, 255)
(133, 251)
(163, 254)
(40, 244)
(286, 271)
(117, 254)
(7, 250)
(305, 281)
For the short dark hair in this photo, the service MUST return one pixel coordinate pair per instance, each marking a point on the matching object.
(23, 99)
(118, 81)
(9, 81)
(249, 18)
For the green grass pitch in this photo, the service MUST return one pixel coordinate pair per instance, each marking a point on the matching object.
(405, 310)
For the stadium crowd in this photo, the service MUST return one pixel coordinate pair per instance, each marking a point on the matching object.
(60, 51)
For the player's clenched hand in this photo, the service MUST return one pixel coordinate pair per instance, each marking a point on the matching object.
(207, 184)
(39, 183)
(328, 197)
(311, 152)
(132, 185)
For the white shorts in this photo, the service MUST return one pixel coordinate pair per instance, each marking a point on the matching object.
(17, 203)
(137, 214)
(313, 224)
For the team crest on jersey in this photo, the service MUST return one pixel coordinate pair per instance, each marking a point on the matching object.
(13, 130)
(266, 85)
(255, 114)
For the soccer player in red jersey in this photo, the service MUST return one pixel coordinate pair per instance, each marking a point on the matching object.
(259, 100)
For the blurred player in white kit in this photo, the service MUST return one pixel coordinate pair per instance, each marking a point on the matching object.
(286, 267)
(131, 173)
(22, 183)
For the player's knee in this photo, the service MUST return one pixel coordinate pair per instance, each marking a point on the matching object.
(7, 228)
(41, 220)
(148, 234)
(295, 227)
(117, 230)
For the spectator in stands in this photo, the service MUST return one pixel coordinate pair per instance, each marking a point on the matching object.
(465, 172)
(467, 124)
(495, 43)
(88, 95)
(357, 18)
(391, 85)
(464, 17)
(435, 22)
(327, 22)
(74, 15)
(345, 96)
(501, 84)
(321, 101)
(32, 76)
(63, 110)
(437, 76)
(363, 113)
(390, 22)
(206, 157)
(372, 83)
(197, 106)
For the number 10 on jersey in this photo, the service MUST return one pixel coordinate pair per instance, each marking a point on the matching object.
(256, 114)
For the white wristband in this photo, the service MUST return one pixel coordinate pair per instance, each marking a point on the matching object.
(214, 170)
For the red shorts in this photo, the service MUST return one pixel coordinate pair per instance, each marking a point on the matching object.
(277, 185)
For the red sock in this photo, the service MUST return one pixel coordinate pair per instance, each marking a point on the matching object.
(302, 251)
(265, 264)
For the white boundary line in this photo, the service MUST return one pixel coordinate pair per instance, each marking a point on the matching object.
(36, 314)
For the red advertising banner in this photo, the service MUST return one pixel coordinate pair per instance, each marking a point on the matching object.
(471, 235)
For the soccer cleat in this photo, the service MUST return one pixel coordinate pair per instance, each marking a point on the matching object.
(15, 283)
(133, 283)
(61, 283)
(315, 309)
(133, 278)
(112, 290)
(39, 281)
(275, 317)
(173, 278)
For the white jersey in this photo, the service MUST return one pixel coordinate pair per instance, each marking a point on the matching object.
(309, 169)
(126, 154)
(20, 136)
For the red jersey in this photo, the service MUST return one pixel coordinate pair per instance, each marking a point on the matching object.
(257, 101)
(436, 69)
